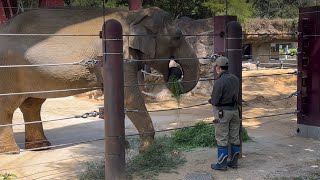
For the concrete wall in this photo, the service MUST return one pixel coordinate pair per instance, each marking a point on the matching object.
(261, 49)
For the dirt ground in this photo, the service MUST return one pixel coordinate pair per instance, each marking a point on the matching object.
(275, 150)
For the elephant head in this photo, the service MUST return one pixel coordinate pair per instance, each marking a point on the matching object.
(157, 36)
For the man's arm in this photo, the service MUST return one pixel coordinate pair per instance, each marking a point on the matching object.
(216, 93)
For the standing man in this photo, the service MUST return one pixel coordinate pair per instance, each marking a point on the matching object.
(224, 99)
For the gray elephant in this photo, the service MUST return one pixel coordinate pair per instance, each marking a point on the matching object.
(29, 50)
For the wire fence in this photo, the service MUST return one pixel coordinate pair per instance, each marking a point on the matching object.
(137, 134)
(94, 62)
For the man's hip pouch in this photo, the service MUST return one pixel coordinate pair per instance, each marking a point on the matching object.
(220, 114)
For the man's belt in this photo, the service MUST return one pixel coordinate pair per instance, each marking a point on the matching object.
(232, 104)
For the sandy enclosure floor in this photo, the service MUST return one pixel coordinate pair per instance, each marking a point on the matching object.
(274, 152)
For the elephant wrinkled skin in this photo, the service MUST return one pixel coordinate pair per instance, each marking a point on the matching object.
(28, 50)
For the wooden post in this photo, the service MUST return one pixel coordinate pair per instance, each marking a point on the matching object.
(309, 73)
(219, 26)
(234, 54)
(113, 86)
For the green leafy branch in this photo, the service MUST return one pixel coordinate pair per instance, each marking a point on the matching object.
(7, 176)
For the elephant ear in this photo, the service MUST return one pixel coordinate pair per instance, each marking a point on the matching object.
(144, 31)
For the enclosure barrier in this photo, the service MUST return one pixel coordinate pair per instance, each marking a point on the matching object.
(114, 134)
(309, 76)
(114, 99)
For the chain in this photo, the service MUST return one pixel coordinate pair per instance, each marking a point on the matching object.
(288, 97)
(213, 57)
(89, 114)
(90, 63)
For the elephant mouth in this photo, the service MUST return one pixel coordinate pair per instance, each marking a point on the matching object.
(176, 73)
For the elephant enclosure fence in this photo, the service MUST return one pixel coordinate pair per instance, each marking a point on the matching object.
(93, 114)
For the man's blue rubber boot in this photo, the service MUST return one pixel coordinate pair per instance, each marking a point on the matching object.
(235, 152)
(222, 159)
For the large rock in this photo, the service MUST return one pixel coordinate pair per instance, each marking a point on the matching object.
(203, 45)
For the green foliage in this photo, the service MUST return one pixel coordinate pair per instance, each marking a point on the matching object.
(203, 8)
(201, 135)
(175, 88)
(198, 9)
(29, 3)
(7, 176)
(99, 3)
(280, 8)
(165, 154)
(178, 8)
(160, 158)
(293, 50)
(95, 170)
(239, 8)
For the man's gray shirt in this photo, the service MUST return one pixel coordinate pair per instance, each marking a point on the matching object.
(225, 91)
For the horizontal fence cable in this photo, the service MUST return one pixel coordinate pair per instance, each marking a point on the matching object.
(275, 120)
(137, 134)
(57, 35)
(277, 63)
(162, 83)
(294, 94)
(171, 109)
(173, 35)
(56, 146)
(203, 104)
(49, 91)
(166, 59)
(98, 35)
(261, 75)
(210, 79)
(272, 34)
(282, 54)
(268, 75)
(90, 62)
(185, 127)
(85, 115)
(55, 139)
(271, 115)
(47, 162)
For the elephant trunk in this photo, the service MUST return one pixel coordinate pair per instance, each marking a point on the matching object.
(190, 67)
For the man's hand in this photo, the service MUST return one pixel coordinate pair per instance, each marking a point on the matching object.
(215, 121)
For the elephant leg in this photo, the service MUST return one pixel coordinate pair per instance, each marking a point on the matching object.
(141, 120)
(8, 144)
(7, 141)
(34, 135)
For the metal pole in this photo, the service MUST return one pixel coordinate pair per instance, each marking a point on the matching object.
(113, 86)
(234, 54)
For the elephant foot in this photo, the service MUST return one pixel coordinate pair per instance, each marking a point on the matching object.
(9, 149)
(146, 143)
(38, 145)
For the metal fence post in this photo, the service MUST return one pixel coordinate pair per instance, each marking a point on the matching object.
(234, 54)
(308, 100)
(113, 86)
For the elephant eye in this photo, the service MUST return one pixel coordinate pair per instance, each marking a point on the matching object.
(177, 38)
(178, 35)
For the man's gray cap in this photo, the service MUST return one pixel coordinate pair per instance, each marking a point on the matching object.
(222, 61)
